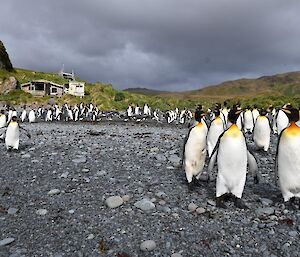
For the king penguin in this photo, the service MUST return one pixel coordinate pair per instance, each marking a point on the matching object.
(248, 120)
(31, 116)
(12, 136)
(216, 128)
(2, 123)
(282, 120)
(262, 131)
(287, 157)
(194, 149)
(232, 156)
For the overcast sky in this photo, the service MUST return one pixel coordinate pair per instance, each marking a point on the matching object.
(159, 44)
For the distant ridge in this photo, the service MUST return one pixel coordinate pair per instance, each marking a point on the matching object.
(285, 84)
(145, 91)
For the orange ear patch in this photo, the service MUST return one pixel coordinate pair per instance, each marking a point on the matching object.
(293, 130)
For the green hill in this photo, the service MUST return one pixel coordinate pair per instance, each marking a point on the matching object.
(276, 90)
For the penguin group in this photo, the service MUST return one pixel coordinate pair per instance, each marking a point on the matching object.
(222, 133)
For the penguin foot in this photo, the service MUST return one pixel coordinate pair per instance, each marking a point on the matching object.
(220, 202)
(256, 179)
(239, 203)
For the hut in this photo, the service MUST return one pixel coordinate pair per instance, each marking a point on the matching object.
(43, 88)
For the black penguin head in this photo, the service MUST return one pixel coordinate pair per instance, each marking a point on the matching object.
(199, 114)
(234, 114)
(216, 111)
(2, 111)
(291, 113)
(199, 107)
(263, 112)
(14, 118)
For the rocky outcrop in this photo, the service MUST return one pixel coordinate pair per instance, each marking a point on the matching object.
(8, 85)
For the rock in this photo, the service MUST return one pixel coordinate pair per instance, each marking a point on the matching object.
(266, 201)
(54, 191)
(148, 246)
(160, 158)
(176, 255)
(8, 85)
(114, 201)
(90, 237)
(175, 159)
(144, 204)
(85, 170)
(192, 207)
(80, 159)
(211, 202)
(12, 211)
(7, 241)
(126, 198)
(101, 173)
(293, 233)
(64, 175)
(26, 155)
(265, 211)
(71, 211)
(41, 212)
(200, 210)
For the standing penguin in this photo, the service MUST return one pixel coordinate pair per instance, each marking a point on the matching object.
(248, 120)
(287, 157)
(255, 113)
(24, 114)
(12, 136)
(232, 156)
(262, 131)
(31, 116)
(282, 120)
(194, 149)
(2, 123)
(216, 128)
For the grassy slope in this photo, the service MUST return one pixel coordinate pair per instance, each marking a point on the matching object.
(275, 90)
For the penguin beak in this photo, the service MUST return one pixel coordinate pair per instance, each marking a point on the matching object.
(286, 111)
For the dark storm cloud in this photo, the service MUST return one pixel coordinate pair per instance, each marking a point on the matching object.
(170, 44)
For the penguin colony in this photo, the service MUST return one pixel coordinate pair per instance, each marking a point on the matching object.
(218, 133)
(224, 141)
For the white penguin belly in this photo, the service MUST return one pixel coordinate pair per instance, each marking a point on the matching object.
(213, 135)
(12, 136)
(232, 166)
(261, 135)
(289, 167)
(195, 152)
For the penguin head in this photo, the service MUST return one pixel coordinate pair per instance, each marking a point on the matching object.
(291, 113)
(216, 112)
(2, 112)
(14, 118)
(263, 112)
(234, 114)
(199, 114)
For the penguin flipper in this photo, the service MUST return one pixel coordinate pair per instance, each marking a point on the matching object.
(253, 168)
(212, 161)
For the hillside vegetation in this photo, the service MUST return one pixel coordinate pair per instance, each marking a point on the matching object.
(275, 90)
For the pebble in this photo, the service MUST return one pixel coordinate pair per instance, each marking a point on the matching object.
(293, 233)
(200, 210)
(85, 170)
(41, 212)
(160, 158)
(145, 204)
(175, 159)
(54, 191)
(26, 155)
(79, 160)
(211, 202)
(71, 211)
(176, 255)
(114, 201)
(12, 211)
(101, 173)
(148, 246)
(126, 198)
(265, 211)
(7, 241)
(192, 207)
(90, 237)
(266, 201)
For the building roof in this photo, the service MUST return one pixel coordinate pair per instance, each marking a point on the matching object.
(42, 81)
